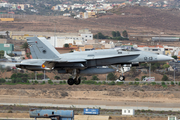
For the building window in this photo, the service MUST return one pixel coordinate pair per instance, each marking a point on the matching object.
(124, 111)
(86, 36)
(89, 36)
(154, 49)
(128, 111)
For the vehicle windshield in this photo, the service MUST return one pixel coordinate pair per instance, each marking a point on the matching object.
(127, 48)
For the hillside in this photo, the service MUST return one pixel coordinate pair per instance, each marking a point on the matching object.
(136, 16)
(137, 20)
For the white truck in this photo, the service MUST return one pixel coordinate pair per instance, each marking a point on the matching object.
(149, 79)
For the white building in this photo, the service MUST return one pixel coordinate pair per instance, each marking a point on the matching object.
(154, 49)
(5, 5)
(59, 41)
(86, 34)
(81, 38)
(128, 112)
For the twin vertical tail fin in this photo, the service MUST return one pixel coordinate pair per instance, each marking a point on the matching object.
(5, 55)
(41, 49)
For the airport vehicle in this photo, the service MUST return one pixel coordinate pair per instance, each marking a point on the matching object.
(53, 114)
(46, 57)
(88, 111)
(149, 79)
(12, 59)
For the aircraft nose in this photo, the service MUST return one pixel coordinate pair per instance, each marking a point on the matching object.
(164, 58)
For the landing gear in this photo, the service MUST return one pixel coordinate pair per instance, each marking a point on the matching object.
(77, 81)
(70, 81)
(121, 78)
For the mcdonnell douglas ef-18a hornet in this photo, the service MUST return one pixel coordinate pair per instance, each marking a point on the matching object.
(46, 57)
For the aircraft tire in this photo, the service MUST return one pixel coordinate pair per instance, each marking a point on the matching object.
(70, 81)
(77, 82)
(122, 78)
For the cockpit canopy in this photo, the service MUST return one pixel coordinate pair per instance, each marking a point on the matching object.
(126, 48)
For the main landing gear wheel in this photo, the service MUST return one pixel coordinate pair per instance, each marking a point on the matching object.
(122, 78)
(78, 81)
(70, 81)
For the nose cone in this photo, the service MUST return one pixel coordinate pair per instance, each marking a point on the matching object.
(164, 58)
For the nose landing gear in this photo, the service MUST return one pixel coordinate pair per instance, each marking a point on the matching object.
(121, 78)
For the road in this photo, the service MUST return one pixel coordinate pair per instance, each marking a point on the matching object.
(118, 106)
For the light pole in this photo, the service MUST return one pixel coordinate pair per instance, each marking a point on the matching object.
(149, 69)
(44, 75)
(174, 71)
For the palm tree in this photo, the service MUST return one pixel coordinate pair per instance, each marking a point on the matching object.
(25, 46)
(7, 33)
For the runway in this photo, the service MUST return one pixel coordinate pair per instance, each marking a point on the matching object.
(95, 106)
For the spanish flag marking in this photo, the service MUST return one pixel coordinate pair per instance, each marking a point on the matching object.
(43, 66)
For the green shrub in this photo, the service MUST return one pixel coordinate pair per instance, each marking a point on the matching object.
(43, 82)
(165, 78)
(60, 82)
(83, 78)
(137, 79)
(153, 83)
(94, 77)
(98, 83)
(36, 82)
(131, 83)
(2, 80)
(83, 81)
(120, 83)
(111, 76)
(19, 78)
(89, 82)
(104, 82)
(163, 83)
(50, 82)
(172, 83)
(57, 77)
(136, 83)
(112, 83)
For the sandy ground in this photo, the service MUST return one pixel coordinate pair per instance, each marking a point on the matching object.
(125, 95)
(26, 115)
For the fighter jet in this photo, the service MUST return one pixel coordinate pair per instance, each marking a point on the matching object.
(12, 59)
(46, 57)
